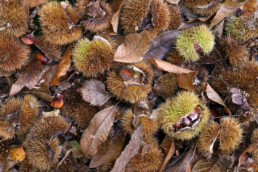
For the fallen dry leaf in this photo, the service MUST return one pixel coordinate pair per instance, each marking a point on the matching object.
(214, 96)
(98, 130)
(130, 150)
(169, 155)
(115, 145)
(29, 77)
(184, 76)
(63, 67)
(34, 3)
(225, 10)
(173, 1)
(161, 45)
(249, 148)
(116, 7)
(93, 91)
(133, 48)
(251, 6)
(17, 154)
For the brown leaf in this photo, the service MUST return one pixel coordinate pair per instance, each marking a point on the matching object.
(63, 66)
(249, 148)
(182, 165)
(161, 45)
(130, 151)
(173, 1)
(185, 80)
(169, 155)
(251, 6)
(184, 76)
(93, 91)
(166, 144)
(213, 165)
(98, 130)
(34, 3)
(214, 96)
(17, 154)
(133, 48)
(113, 149)
(29, 77)
(225, 10)
(116, 7)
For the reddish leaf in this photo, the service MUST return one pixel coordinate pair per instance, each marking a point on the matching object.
(63, 66)
(169, 155)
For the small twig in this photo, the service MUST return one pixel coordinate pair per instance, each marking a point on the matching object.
(66, 155)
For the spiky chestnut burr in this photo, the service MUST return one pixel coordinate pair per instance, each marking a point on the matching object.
(243, 78)
(174, 18)
(203, 7)
(193, 41)
(254, 139)
(131, 83)
(13, 18)
(96, 15)
(13, 53)
(150, 15)
(228, 135)
(92, 57)
(77, 109)
(59, 23)
(243, 27)
(17, 115)
(236, 53)
(146, 160)
(140, 115)
(166, 85)
(43, 148)
(183, 116)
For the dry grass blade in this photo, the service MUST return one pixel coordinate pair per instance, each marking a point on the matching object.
(130, 151)
(225, 10)
(214, 96)
(98, 130)
(133, 48)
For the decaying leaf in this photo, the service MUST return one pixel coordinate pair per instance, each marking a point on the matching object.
(93, 91)
(161, 45)
(114, 146)
(213, 165)
(184, 76)
(34, 3)
(133, 48)
(29, 77)
(214, 96)
(249, 148)
(97, 132)
(76, 149)
(239, 99)
(116, 7)
(130, 151)
(251, 6)
(17, 154)
(63, 66)
(225, 10)
(169, 155)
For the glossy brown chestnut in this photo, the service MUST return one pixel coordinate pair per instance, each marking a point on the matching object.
(28, 39)
(58, 101)
(186, 122)
(193, 115)
(125, 74)
(43, 59)
(177, 125)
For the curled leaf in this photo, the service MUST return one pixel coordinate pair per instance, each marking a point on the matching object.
(214, 96)
(97, 132)
(133, 48)
(17, 154)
